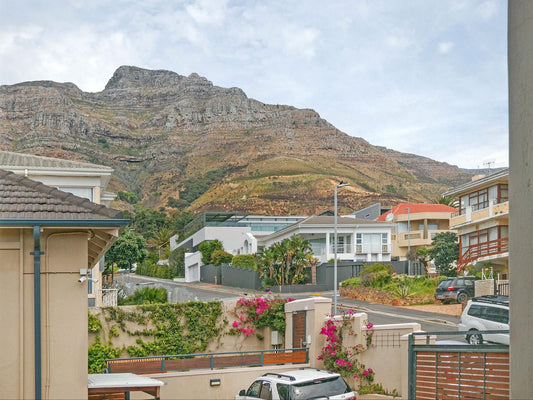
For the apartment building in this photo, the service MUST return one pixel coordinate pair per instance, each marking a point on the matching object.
(482, 223)
(415, 225)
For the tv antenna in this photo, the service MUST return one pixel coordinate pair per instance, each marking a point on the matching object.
(489, 163)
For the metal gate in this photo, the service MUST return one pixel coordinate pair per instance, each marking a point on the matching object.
(457, 371)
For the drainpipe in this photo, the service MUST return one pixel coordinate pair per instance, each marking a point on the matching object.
(37, 306)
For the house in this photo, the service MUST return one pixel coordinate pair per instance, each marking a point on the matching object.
(49, 239)
(81, 179)
(415, 225)
(358, 239)
(237, 232)
(482, 222)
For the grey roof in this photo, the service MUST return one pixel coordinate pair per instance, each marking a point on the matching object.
(504, 173)
(23, 198)
(11, 159)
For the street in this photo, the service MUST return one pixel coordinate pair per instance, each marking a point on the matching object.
(377, 313)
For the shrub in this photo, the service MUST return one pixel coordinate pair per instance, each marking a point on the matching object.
(146, 295)
(220, 257)
(377, 275)
(245, 261)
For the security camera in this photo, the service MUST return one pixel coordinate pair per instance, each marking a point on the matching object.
(82, 279)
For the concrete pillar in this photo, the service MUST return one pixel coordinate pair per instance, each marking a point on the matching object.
(520, 59)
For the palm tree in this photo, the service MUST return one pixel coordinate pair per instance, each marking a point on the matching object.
(447, 200)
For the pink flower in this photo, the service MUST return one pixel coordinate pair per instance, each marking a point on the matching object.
(369, 325)
(236, 324)
(365, 372)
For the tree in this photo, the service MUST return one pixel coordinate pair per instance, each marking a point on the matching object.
(161, 241)
(283, 263)
(127, 250)
(447, 200)
(445, 251)
(207, 248)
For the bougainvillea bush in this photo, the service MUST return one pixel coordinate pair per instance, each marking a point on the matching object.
(343, 359)
(252, 313)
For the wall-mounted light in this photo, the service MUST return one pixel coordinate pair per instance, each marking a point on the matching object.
(214, 382)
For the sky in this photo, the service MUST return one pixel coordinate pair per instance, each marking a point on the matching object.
(427, 77)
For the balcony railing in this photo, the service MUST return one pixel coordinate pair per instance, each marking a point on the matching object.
(476, 251)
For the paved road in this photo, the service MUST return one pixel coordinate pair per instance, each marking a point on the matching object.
(377, 313)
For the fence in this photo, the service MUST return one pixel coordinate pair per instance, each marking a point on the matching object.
(185, 362)
(438, 371)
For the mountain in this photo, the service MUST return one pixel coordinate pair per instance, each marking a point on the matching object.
(181, 141)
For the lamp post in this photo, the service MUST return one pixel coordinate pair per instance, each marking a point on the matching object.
(408, 242)
(335, 249)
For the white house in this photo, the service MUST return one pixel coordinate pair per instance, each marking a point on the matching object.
(357, 239)
(237, 232)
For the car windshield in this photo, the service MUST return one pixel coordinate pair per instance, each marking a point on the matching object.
(319, 388)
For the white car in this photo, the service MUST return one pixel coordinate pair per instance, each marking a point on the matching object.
(486, 313)
(299, 384)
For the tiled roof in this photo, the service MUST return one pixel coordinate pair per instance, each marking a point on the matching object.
(23, 198)
(416, 208)
(10, 159)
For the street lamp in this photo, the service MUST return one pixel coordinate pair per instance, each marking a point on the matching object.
(408, 242)
(335, 247)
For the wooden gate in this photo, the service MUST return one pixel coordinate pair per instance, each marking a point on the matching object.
(458, 371)
(298, 329)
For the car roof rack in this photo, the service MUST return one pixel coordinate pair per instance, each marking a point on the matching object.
(291, 378)
(495, 299)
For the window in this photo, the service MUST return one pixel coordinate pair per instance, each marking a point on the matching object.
(371, 243)
(86, 193)
(482, 198)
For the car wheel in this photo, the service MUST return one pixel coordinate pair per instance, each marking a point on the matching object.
(462, 297)
(474, 338)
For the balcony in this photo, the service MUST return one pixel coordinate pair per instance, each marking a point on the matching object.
(470, 214)
(485, 249)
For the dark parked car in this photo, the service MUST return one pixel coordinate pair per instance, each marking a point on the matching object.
(460, 289)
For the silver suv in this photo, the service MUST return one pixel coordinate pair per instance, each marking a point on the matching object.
(299, 384)
(486, 313)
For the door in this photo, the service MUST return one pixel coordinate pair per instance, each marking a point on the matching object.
(298, 329)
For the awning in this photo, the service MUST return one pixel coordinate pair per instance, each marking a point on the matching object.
(102, 386)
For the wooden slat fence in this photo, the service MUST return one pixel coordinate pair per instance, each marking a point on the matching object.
(207, 361)
(458, 372)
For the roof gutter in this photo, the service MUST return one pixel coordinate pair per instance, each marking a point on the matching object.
(65, 222)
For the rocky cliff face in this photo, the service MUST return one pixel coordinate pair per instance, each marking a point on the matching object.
(163, 133)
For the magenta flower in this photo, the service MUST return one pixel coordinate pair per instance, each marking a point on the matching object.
(369, 325)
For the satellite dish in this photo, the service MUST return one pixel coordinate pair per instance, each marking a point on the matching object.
(389, 217)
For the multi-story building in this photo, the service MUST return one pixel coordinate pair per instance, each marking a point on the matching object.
(482, 223)
(415, 225)
(84, 180)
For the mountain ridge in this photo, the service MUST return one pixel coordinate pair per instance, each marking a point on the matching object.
(163, 133)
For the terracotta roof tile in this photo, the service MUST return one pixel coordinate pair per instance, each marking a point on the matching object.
(23, 198)
(415, 208)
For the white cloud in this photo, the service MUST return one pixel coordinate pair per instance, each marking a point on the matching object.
(371, 68)
(446, 47)
(487, 9)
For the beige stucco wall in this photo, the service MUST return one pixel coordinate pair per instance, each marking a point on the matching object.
(63, 314)
(521, 194)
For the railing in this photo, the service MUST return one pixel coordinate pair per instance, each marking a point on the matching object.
(484, 249)
(183, 362)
